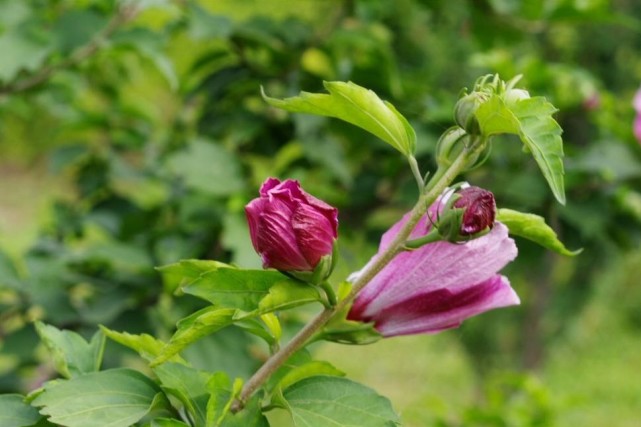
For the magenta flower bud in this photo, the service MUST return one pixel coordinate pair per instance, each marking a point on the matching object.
(290, 229)
(480, 210)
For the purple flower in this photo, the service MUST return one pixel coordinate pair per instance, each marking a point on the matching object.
(437, 286)
(480, 210)
(290, 229)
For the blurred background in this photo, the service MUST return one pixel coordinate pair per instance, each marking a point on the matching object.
(132, 134)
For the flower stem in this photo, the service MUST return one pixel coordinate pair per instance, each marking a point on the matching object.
(436, 186)
(417, 174)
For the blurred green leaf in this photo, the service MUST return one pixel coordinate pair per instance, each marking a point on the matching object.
(8, 273)
(14, 412)
(73, 356)
(114, 398)
(207, 167)
(324, 401)
(611, 160)
(358, 106)
(534, 228)
(236, 238)
(204, 25)
(20, 52)
(149, 45)
(76, 28)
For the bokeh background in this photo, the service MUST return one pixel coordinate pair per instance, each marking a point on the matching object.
(133, 133)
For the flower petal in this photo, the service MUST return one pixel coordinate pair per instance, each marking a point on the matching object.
(440, 265)
(277, 243)
(314, 233)
(442, 309)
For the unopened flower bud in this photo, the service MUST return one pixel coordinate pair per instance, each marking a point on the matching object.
(469, 213)
(465, 112)
(291, 230)
(512, 96)
(480, 210)
(450, 145)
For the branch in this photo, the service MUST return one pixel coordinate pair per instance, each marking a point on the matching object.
(124, 15)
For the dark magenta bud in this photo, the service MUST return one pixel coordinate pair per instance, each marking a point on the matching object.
(479, 210)
(290, 229)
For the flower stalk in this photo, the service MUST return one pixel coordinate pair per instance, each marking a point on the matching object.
(433, 189)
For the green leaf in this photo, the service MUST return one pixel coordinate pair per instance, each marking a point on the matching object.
(534, 228)
(324, 401)
(245, 289)
(287, 294)
(72, 355)
(14, 412)
(192, 328)
(358, 106)
(307, 370)
(186, 271)
(531, 119)
(76, 28)
(250, 416)
(541, 134)
(8, 274)
(219, 406)
(147, 346)
(112, 398)
(20, 52)
(204, 25)
(147, 43)
(167, 422)
(188, 385)
(208, 167)
(495, 117)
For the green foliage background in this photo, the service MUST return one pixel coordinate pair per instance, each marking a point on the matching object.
(142, 134)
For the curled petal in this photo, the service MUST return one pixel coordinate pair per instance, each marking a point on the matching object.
(442, 309)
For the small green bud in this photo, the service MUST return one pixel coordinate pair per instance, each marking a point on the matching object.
(450, 145)
(512, 96)
(465, 112)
